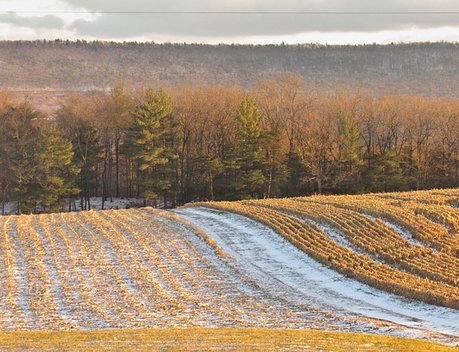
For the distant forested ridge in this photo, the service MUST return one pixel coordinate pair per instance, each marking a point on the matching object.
(424, 69)
(179, 123)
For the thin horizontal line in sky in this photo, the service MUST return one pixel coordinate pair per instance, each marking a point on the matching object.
(241, 12)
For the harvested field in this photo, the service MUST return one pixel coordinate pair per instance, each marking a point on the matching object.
(381, 264)
(128, 269)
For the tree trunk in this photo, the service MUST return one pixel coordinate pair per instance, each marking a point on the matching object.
(319, 185)
(104, 178)
(110, 172)
(117, 163)
(270, 181)
(4, 193)
(97, 181)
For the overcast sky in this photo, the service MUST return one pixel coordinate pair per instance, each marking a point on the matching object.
(85, 19)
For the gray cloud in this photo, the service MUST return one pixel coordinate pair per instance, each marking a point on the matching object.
(266, 5)
(118, 26)
(34, 22)
(130, 25)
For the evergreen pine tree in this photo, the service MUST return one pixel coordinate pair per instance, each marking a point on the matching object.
(56, 170)
(250, 182)
(146, 142)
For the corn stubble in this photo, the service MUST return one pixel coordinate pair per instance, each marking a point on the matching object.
(387, 260)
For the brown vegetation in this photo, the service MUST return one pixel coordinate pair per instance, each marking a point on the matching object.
(385, 258)
(281, 138)
(425, 68)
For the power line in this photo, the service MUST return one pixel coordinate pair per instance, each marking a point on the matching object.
(239, 12)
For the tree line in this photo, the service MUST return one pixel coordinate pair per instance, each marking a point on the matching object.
(280, 138)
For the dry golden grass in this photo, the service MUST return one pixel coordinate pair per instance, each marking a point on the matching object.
(136, 268)
(204, 339)
(142, 270)
(421, 265)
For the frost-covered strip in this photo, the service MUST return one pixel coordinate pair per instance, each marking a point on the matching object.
(247, 242)
(138, 234)
(334, 234)
(233, 302)
(253, 307)
(249, 304)
(41, 299)
(18, 286)
(228, 309)
(270, 299)
(100, 286)
(118, 285)
(82, 269)
(399, 230)
(6, 315)
(188, 281)
(130, 250)
(205, 257)
(264, 253)
(227, 295)
(53, 298)
(148, 235)
(65, 286)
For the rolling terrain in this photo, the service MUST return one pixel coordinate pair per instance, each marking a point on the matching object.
(429, 69)
(384, 264)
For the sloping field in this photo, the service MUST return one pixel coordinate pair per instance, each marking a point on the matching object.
(383, 263)
(286, 270)
(397, 245)
(128, 269)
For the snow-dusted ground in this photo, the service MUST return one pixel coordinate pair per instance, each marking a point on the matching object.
(117, 203)
(133, 268)
(288, 272)
(96, 204)
(399, 230)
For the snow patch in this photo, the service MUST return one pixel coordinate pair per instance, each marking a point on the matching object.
(269, 258)
(400, 231)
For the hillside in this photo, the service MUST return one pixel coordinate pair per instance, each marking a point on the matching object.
(382, 264)
(52, 67)
(405, 243)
